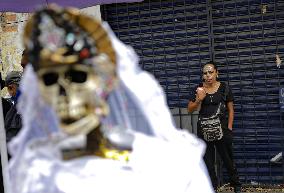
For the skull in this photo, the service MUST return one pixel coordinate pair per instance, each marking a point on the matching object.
(75, 62)
(77, 93)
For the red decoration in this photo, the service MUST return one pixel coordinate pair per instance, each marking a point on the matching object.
(85, 53)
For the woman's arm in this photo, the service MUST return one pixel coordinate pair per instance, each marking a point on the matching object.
(230, 107)
(195, 105)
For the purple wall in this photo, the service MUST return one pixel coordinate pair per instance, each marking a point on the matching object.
(23, 6)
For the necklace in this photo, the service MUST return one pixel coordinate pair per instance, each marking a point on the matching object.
(211, 98)
(212, 89)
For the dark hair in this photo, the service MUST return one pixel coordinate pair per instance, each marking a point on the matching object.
(24, 60)
(13, 77)
(2, 82)
(213, 63)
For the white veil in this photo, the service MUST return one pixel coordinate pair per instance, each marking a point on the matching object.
(137, 105)
(144, 94)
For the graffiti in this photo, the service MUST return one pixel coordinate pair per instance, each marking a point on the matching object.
(278, 61)
(11, 28)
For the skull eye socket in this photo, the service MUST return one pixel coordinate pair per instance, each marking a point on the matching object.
(76, 76)
(50, 78)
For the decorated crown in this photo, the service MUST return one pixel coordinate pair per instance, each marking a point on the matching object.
(55, 36)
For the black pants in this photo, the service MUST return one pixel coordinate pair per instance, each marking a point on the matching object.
(225, 150)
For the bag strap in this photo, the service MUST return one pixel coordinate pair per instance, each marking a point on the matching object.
(224, 92)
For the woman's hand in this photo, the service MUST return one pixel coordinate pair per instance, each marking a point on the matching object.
(195, 105)
(200, 93)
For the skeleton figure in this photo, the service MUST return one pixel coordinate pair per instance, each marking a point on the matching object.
(75, 73)
(89, 125)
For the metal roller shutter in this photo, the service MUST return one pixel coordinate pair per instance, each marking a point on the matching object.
(173, 40)
(246, 37)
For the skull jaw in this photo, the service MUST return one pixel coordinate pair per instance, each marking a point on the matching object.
(84, 123)
(69, 114)
(81, 126)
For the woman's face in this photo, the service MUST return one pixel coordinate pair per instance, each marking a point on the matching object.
(209, 73)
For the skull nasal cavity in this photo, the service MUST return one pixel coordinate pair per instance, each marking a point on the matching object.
(62, 90)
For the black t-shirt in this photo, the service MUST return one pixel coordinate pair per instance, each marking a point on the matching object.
(13, 122)
(6, 104)
(211, 102)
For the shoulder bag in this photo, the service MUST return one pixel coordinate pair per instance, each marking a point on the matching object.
(211, 127)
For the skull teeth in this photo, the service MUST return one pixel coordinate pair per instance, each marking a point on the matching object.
(72, 112)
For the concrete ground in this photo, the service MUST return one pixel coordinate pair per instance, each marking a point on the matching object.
(254, 189)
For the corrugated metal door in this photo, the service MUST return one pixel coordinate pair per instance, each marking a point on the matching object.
(247, 35)
(173, 40)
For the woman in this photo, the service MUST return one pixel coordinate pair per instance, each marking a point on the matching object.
(210, 96)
